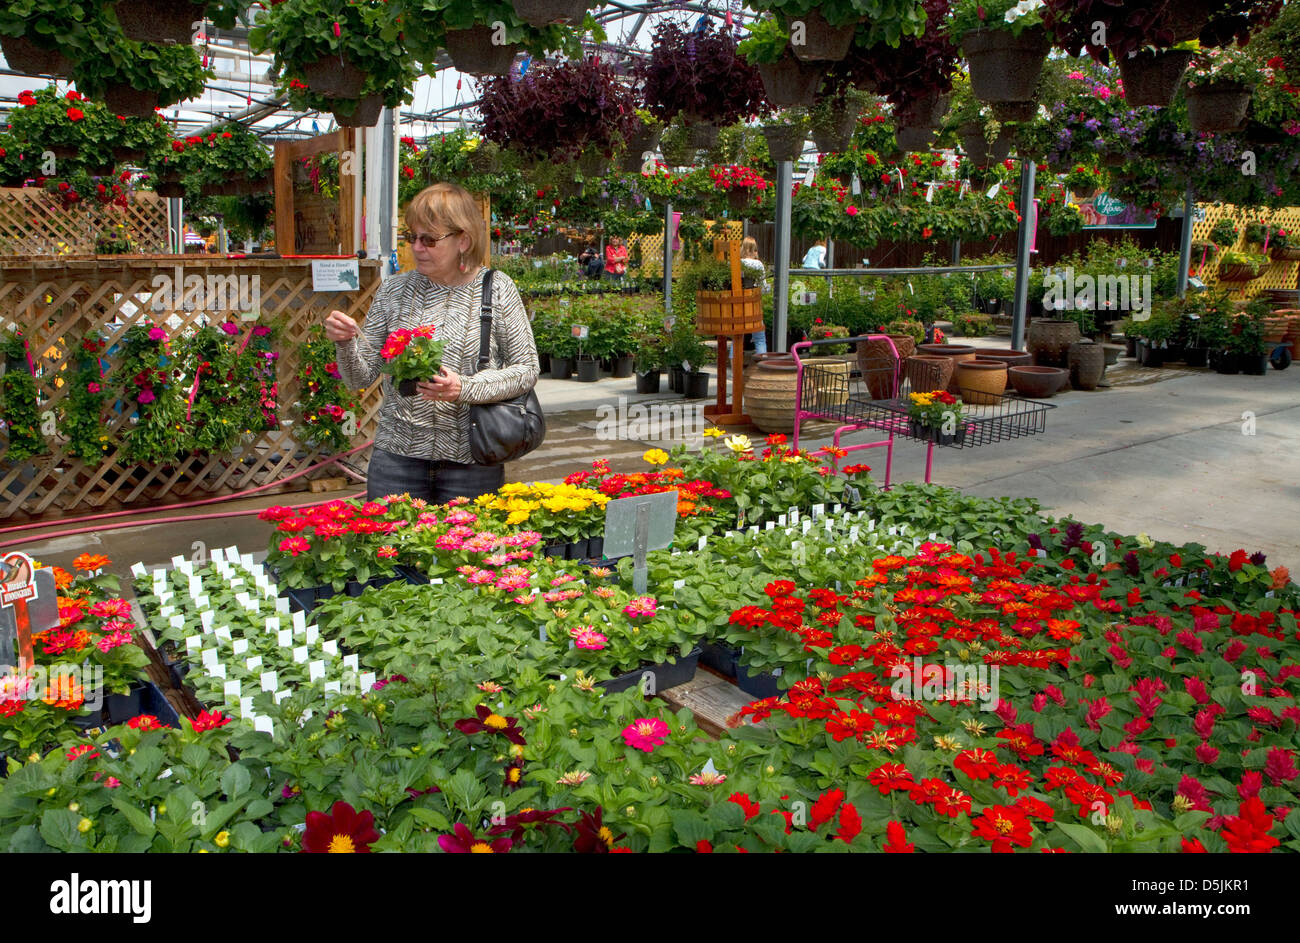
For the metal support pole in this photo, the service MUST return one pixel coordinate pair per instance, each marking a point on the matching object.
(1025, 202)
(956, 252)
(781, 279)
(1185, 242)
(668, 259)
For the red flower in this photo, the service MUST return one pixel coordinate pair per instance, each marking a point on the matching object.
(1004, 826)
(492, 723)
(144, 722)
(86, 749)
(897, 843)
(751, 807)
(1237, 560)
(343, 831)
(209, 720)
(75, 114)
(1247, 832)
(825, 807)
(850, 823)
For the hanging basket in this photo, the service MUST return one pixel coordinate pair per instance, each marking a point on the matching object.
(1237, 272)
(791, 82)
(334, 77)
(159, 21)
(1287, 254)
(170, 189)
(1003, 67)
(542, 13)
(1219, 106)
(472, 51)
(914, 137)
(638, 146)
(678, 153)
(740, 199)
(127, 154)
(486, 158)
(1186, 18)
(129, 101)
(366, 114)
(979, 149)
(1015, 111)
(822, 42)
(784, 141)
(702, 135)
(23, 55)
(592, 165)
(1152, 77)
(834, 136)
(728, 312)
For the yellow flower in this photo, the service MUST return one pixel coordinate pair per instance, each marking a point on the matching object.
(656, 457)
(739, 443)
(85, 825)
(222, 839)
(713, 432)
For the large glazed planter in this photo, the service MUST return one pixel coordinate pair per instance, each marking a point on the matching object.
(879, 364)
(1037, 382)
(981, 382)
(1049, 341)
(1152, 76)
(1003, 67)
(770, 386)
(1219, 106)
(1087, 363)
(956, 352)
(1008, 355)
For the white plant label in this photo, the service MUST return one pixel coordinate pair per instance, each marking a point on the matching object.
(269, 681)
(239, 646)
(316, 671)
(253, 663)
(330, 647)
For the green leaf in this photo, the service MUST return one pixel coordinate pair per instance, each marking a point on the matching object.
(59, 829)
(1084, 837)
(235, 781)
(137, 819)
(690, 826)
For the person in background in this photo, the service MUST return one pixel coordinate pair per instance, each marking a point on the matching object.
(615, 258)
(816, 256)
(749, 259)
(591, 262)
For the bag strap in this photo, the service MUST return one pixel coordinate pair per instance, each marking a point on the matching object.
(485, 320)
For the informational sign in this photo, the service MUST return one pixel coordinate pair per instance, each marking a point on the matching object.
(580, 331)
(335, 275)
(1102, 211)
(28, 605)
(638, 524)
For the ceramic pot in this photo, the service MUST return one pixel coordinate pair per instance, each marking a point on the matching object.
(981, 382)
(1049, 341)
(879, 364)
(1038, 382)
(1009, 356)
(1087, 363)
(957, 352)
(769, 392)
(926, 372)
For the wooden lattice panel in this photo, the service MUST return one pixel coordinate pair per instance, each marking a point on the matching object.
(34, 223)
(652, 246)
(56, 302)
(1278, 275)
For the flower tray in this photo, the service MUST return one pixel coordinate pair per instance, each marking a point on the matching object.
(307, 598)
(763, 684)
(722, 658)
(665, 675)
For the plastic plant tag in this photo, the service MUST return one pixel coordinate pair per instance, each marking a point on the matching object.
(313, 633)
(300, 654)
(794, 516)
(993, 190)
(206, 618)
(807, 524)
(273, 624)
(177, 622)
(330, 647)
(703, 542)
(284, 638)
(231, 689)
(316, 671)
(217, 671)
(237, 582)
(193, 643)
(436, 581)
(253, 663)
(224, 634)
(678, 584)
(771, 525)
(239, 646)
(177, 562)
(269, 681)
(299, 621)
(202, 603)
(264, 724)
(351, 661)
(333, 687)
(282, 605)
(245, 707)
(218, 557)
(139, 570)
(166, 611)
(367, 680)
(232, 553)
(281, 695)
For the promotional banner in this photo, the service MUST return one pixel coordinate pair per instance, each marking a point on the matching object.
(1102, 211)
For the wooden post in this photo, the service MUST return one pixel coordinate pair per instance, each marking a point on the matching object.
(730, 413)
(286, 153)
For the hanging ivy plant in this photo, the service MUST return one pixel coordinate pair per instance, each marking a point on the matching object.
(19, 409)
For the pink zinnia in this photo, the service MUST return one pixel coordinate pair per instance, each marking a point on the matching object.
(110, 642)
(525, 600)
(157, 334)
(640, 606)
(117, 608)
(512, 583)
(479, 577)
(146, 397)
(646, 734)
(294, 545)
(92, 388)
(586, 637)
(448, 542)
(386, 553)
(496, 559)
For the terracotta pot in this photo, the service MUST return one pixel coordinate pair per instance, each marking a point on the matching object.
(981, 382)
(471, 50)
(790, 82)
(955, 352)
(770, 386)
(879, 364)
(1003, 67)
(1220, 106)
(1152, 78)
(822, 42)
(926, 372)
(1049, 341)
(1012, 358)
(1087, 363)
(1037, 381)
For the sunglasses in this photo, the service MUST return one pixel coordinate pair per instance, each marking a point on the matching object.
(427, 240)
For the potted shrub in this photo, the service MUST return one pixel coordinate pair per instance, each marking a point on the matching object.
(649, 362)
(1246, 339)
(1219, 85)
(1005, 45)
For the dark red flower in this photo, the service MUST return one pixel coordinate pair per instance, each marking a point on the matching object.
(594, 837)
(463, 842)
(344, 830)
(492, 723)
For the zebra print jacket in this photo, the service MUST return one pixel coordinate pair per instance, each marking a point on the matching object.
(438, 431)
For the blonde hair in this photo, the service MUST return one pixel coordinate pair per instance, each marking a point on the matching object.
(449, 206)
(749, 248)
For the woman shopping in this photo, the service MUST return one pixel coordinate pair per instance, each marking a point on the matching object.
(750, 260)
(422, 443)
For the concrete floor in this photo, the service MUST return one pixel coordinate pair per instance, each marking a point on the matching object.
(1166, 452)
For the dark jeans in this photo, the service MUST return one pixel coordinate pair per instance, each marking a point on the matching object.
(435, 482)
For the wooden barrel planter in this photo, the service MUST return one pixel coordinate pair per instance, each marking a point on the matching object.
(790, 82)
(729, 312)
(159, 21)
(471, 51)
(542, 13)
(1003, 67)
(24, 55)
(822, 42)
(1218, 106)
(1152, 76)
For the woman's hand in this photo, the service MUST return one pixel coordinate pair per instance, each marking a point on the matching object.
(445, 387)
(340, 328)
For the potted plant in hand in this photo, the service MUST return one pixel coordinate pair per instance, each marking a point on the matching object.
(410, 356)
(1005, 45)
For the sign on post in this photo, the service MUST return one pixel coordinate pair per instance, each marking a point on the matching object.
(28, 605)
(638, 524)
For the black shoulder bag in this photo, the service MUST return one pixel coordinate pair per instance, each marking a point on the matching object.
(502, 432)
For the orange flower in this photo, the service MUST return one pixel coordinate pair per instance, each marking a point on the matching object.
(1281, 576)
(672, 473)
(65, 694)
(90, 562)
(832, 450)
(685, 508)
(62, 578)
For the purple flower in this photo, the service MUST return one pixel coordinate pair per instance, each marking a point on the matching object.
(261, 330)
(1131, 564)
(1257, 558)
(1035, 542)
(230, 327)
(146, 397)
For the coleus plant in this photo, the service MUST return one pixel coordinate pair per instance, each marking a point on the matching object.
(1119, 27)
(699, 74)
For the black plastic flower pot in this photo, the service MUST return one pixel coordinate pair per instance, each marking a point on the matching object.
(588, 370)
(762, 684)
(554, 550)
(595, 548)
(676, 379)
(1149, 356)
(1254, 365)
(622, 368)
(721, 657)
(1152, 77)
(648, 382)
(543, 362)
(307, 598)
(696, 385)
(561, 368)
(576, 550)
(407, 387)
(119, 708)
(1220, 106)
(356, 589)
(1224, 362)
(412, 575)
(661, 676)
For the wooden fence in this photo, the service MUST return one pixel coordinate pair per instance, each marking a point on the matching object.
(56, 302)
(34, 223)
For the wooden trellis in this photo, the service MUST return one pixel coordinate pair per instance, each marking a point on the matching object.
(1277, 275)
(56, 302)
(35, 223)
